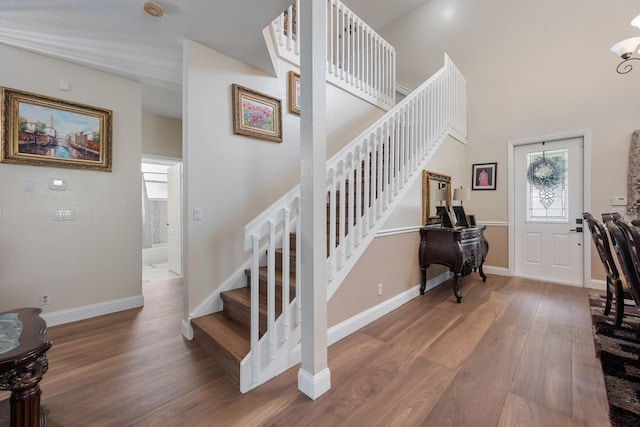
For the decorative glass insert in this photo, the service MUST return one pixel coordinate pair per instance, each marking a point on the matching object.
(10, 331)
(547, 185)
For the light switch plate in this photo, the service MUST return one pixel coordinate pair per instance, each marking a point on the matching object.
(63, 215)
(619, 201)
(197, 214)
(58, 184)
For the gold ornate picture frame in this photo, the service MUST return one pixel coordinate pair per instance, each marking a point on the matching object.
(294, 92)
(256, 115)
(39, 130)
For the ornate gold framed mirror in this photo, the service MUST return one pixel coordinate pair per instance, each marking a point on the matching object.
(436, 191)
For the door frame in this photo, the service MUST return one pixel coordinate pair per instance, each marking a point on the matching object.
(171, 161)
(586, 196)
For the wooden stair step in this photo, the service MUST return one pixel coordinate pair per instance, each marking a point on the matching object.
(237, 307)
(263, 274)
(292, 258)
(225, 340)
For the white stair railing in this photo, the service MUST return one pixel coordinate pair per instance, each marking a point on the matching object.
(391, 153)
(358, 59)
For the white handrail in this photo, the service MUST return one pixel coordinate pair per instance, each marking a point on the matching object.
(358, 59)
(380, 165)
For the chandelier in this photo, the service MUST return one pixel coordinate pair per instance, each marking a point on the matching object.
(626, 48)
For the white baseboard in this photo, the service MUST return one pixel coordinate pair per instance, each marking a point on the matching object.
(187, 329)
(600, 285)
(316, 385)
(93, 310)
(498, 271)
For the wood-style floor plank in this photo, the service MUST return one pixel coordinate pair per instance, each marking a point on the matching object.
(518, 411)
(454, 347)
(544, 374)
(409, 397)
(514, 352)
(476, 395)
(588, 390)
(398, 320)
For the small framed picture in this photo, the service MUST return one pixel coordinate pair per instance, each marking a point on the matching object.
(294, 92)
(484, 176)
(446, 219)
(462, 219)
(256, 114)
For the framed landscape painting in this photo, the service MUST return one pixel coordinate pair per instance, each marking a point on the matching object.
(42, 131)
(256, 115)
(484, 176)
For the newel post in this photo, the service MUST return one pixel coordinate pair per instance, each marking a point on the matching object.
(314, 377)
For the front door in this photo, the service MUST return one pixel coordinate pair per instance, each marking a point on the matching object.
(548, 206)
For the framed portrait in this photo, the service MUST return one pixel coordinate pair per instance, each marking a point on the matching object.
(256, 115)
(42, 131)
(484, 176)
(294, 92)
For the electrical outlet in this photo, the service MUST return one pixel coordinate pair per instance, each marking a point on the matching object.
(44, 298)
(379, 289)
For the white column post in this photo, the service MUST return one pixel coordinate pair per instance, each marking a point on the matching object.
(314, 377)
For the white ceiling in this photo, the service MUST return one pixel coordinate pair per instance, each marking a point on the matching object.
(119, 37)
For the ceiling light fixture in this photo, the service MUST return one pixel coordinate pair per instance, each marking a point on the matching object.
(625, 49)
(153, 9)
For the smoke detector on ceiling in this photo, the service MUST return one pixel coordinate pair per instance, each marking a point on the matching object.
(153, 9)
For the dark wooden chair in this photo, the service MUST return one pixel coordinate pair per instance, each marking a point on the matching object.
(632, 236)
(615, 288)
(626, 255)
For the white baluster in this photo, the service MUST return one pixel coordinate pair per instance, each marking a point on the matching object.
(286, 272)
(271, 290)
(255, 300)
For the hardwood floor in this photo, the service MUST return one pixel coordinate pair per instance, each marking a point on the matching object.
(514, 352)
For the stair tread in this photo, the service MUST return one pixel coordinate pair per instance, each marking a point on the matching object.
(278, 275)
(229, 334)
(243, 296)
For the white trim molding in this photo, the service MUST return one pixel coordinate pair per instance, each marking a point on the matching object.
(395, 231)
(498, 271)
(600, 285)
(403, 90)
(92, 310)
(494, 223)
(316, 385)
(187, 329)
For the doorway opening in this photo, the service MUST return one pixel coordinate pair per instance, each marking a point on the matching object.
(159, 254)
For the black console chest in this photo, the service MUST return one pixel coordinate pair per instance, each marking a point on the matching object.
(461, 249)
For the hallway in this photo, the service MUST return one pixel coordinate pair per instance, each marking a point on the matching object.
(157, 272)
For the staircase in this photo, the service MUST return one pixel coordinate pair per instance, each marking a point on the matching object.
(226, 335)
(256, 336)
